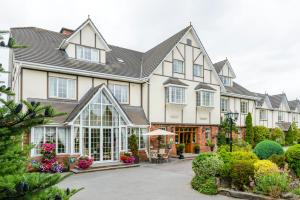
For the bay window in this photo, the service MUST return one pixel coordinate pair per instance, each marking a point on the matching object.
(205, 98)
(60, 136)
(175, 95)
(121, 92)
(178, 66)
(88, 54)
(62, 88)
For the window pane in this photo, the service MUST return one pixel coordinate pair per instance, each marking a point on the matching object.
(198, 70)
(76, 139)
(52, 87)
(38, 139)
(50, 135)
(95, 55)
(62, 140)
(143, 138)
(120, 92)
(178, 66)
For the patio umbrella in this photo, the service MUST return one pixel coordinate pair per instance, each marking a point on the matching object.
(157, 132)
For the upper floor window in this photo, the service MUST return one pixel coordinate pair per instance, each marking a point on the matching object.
(62, 88)
(198, 70)
(294, 118)
(178, 66)
(280, 116)
(86, 53)
(224, 105)
(176, 95)
(205, 98)
(244, 107)
(226, 80)
(121, 92)
(188, 42)
(263, 115)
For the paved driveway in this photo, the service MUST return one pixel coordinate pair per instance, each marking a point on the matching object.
(150, 181)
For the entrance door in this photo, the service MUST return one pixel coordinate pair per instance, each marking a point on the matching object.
(107, 144)
(95, 144)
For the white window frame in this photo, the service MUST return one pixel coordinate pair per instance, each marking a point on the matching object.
(124, 92)
(244, 105)
(57, 81)
(226, 80)
(67, 148)
(199, 71)
(201, 99)
(280, 116)
(263, 115)
(87, 53)
(224, 105)
(178, 66)
(179, 95)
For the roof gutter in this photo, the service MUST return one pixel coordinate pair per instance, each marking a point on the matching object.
(53, 68)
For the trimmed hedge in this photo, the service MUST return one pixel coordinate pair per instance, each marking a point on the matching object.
(242, 173)
(205, 185)
(267, 148)
(293, 158)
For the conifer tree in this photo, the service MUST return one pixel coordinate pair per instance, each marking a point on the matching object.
(249, 137)
(16, 119)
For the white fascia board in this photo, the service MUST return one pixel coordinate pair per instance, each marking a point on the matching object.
(53, 68)
(229, 65)
(174, 85)
(239, 96)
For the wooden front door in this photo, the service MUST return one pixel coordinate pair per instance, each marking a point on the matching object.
(186, 136)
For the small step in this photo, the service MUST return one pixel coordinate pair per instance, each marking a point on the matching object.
(104, 168)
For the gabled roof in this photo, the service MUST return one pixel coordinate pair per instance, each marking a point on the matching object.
(42, 48)
(85, 23)
(284, 125)
(294, 104)
(262, 98)
(174, 81)
(136, 114)
(277, 99)
(219, 66)
(153, 57)
(204, 86)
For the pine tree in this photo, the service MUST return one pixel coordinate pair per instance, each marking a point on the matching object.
(15, 182)
(249, 137)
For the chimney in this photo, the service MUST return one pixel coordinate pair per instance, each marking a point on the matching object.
(66, 31)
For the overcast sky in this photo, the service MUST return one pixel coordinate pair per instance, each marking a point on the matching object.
(260, 38)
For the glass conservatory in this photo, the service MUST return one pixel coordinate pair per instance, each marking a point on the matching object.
(101, 130)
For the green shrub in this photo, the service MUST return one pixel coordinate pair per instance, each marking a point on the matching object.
(242, 173)
(244, 155)
(227, 159)
(260, 133)
(249, 136)
(292, 156)
(205, 185)
(279, 160)
(264, 167)
(272, 184)
(277, 135)
(292, 135)
(221, 138)
(267, 148)
(207, 165)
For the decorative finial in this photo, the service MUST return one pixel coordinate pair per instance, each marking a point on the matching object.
(88, 16)
(190, 23)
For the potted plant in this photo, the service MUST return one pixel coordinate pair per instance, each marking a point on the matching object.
(127, 158)
(197, 148)
(85, 162)
(133, 146)
(180, 149)
(210, 144)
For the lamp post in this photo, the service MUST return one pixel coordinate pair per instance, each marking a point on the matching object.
(231, 117)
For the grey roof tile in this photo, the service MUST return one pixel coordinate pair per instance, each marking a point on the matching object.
(62, 106)
(219, 65)
(293, 104)
(174, 81)
(238, 89)
(276, 100)
(135, 114)
(153, 57)
(284, 125)
(204, 86)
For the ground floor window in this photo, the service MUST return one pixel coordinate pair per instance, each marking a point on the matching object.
(60, 136)
(139, 132)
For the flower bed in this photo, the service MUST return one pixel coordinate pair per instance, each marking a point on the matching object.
(127, 158)
(84, 162)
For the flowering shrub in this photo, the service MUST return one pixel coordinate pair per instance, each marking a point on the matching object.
(49, 162)
(207, 164)
(264, 167)
(85, 162)
(127, 158)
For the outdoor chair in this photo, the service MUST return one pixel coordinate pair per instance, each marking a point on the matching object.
(153, 156)
(167, 156)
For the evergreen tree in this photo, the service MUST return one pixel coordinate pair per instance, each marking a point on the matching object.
(15, 182)
(292, 135)
(249, 137)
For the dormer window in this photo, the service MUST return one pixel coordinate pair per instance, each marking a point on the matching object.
(226, 80)
(87, 53)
